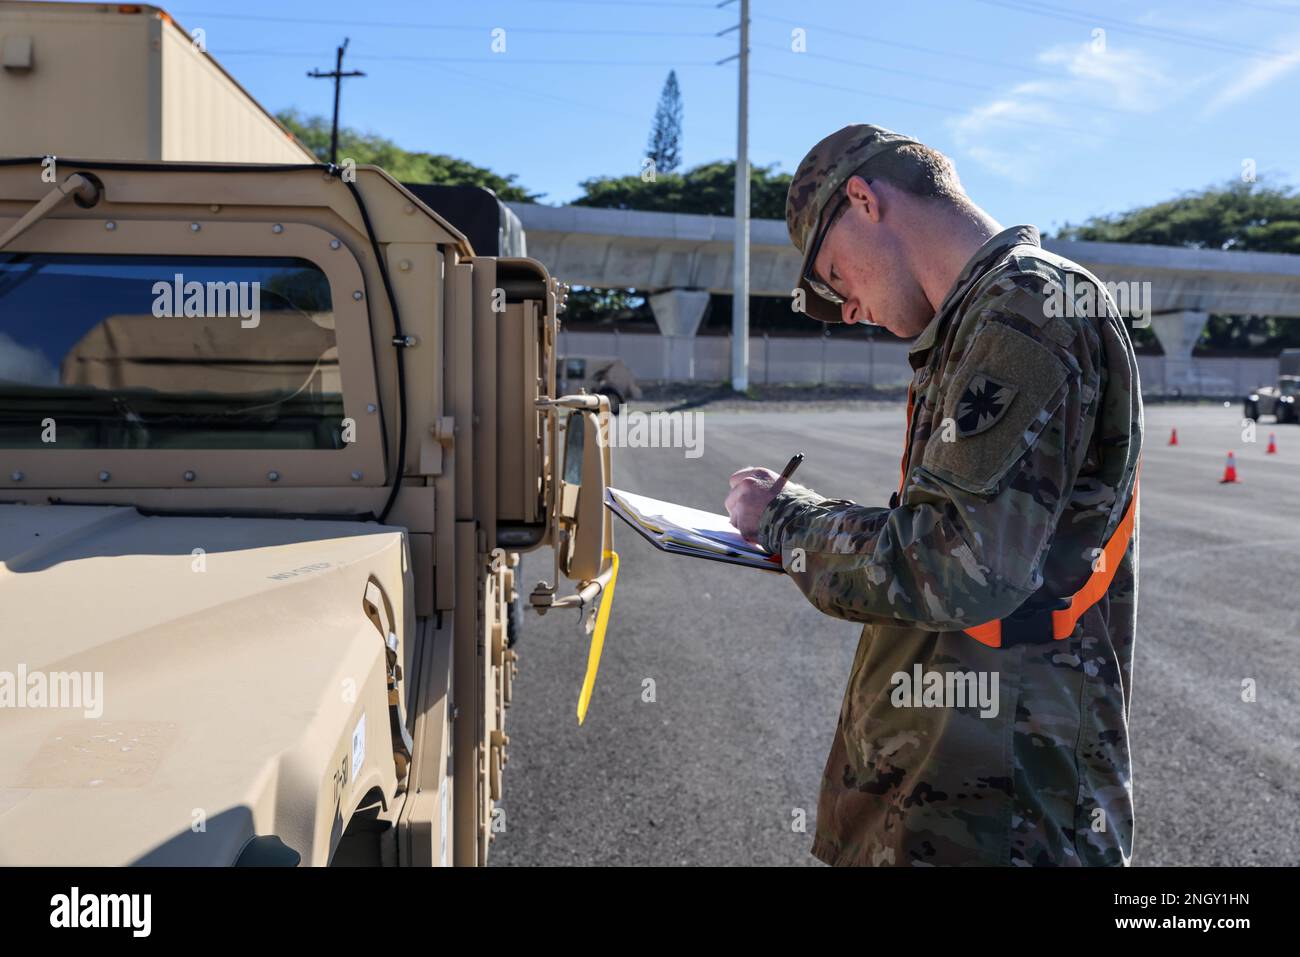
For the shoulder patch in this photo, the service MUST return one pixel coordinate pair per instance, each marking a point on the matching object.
(1005, 390)
(982, 403)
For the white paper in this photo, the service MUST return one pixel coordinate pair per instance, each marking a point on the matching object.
(686, 522)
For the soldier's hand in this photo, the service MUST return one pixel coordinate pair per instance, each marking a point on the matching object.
(751, 490)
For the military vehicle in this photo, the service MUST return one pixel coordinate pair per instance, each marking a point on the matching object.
(1278, 401)
(601, 375)
(272, 439)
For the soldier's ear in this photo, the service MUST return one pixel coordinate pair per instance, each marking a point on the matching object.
(864, 195)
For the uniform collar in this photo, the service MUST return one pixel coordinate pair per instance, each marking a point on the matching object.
(986, 255)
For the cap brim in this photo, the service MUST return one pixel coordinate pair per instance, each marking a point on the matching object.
(815, 307)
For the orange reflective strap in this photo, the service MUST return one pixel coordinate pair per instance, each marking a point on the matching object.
(989, 633)
(1093, 590)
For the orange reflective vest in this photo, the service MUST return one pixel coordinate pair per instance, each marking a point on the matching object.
(1034, 625)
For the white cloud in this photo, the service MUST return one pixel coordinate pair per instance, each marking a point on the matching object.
(1090, 88)
(1261, 74)
(1120, 79)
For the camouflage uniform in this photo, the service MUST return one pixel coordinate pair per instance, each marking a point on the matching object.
(1046, 427)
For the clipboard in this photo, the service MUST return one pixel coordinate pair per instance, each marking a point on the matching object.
(682, 530)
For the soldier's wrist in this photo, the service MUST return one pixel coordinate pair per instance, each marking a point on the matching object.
(776, 516)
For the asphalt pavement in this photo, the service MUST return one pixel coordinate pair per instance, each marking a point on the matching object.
(719, 687)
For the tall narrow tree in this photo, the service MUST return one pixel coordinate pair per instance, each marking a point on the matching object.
(665, 146)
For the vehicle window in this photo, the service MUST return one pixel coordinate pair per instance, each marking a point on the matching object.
(176, 352)
(1289, 386)
(575, 369)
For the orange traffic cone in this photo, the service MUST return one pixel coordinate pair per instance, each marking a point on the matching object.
(1229, 470)
(1272, 445)
(1173, 437)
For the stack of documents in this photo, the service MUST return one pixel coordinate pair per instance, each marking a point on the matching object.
(688, 531)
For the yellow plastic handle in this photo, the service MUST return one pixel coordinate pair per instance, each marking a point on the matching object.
(598, 638)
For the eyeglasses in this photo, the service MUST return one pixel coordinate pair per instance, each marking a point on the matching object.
(810, 276)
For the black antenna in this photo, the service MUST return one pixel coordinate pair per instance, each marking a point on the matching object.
(337, 74)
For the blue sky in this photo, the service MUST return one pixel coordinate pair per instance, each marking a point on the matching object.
(1053, 110)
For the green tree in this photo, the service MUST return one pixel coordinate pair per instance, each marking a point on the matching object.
(403, 165)
(1236, 216)
(665, 146)
(708, 189)
(1244, 216)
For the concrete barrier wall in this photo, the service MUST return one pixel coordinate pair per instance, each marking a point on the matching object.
(773, 361)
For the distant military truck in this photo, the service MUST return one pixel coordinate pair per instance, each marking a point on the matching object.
(271, 441)
(1278, 401)
(600, 375)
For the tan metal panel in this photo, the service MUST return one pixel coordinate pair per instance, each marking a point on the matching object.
(63, 106)
(127, 82)
(206, 117)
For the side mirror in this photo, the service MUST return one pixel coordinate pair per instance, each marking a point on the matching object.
(586, 535)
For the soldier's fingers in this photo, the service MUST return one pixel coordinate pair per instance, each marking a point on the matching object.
(740, 475)
(752, 471)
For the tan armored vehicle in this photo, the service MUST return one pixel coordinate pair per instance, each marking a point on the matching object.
(602, 375)
(271, 441)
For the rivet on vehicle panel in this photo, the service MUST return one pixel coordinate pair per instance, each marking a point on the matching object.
(277, 228)
(195, 227)
(357, 295)
(110, 225)
(215, 207)
(273, 475)
(356, 476)
(404, 265)
(371, 408)
(189, 476)
(104, 476)
(408, 209)
(335, 244)
(17, 476)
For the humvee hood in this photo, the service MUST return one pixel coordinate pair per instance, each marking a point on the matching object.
(172, 686)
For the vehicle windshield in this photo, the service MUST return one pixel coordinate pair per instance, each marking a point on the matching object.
(167, 352)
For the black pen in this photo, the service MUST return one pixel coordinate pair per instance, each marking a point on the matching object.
(788, 471)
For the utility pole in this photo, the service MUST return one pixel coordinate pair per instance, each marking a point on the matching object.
(337, 74)
(740, 261)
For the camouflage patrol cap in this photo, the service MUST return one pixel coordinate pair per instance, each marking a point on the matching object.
(822, 172)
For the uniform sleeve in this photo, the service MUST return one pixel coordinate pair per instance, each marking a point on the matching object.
(967, 541)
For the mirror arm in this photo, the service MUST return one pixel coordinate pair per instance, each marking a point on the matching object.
(589, 402)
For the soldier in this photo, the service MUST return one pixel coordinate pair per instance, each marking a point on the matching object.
(1006, 561)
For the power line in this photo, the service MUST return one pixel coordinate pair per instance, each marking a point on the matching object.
(1267, 7)
(964, 84)
(630, 3)
(917, 48)
(1153, 33)
(491, 59)
(533, 94)
(412, 25)
(937, 106)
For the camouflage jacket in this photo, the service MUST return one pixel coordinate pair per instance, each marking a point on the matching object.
(1025, 426)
